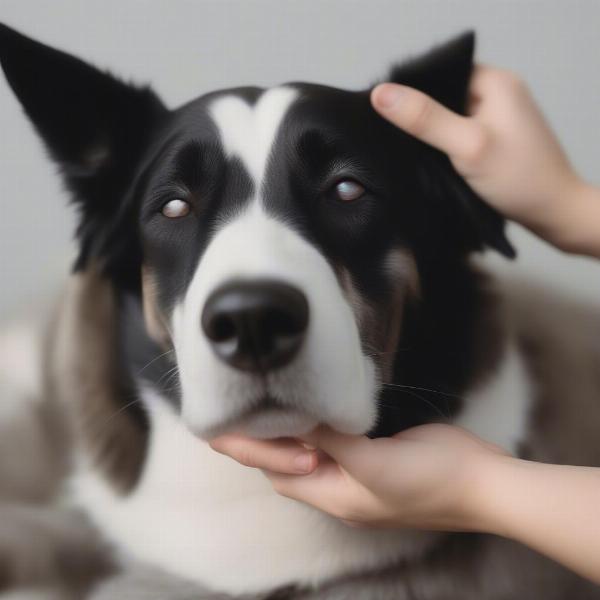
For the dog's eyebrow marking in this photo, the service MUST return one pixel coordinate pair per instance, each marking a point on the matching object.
(249, 132)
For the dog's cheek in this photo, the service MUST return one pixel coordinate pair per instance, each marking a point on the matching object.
(400, 269)
(153, 317)
(380, 323)
(364, 315)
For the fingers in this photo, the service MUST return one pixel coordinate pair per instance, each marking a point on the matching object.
(424, 118)
(281, 456)
(330, 489)
(341, 447)
(361, 457)
(320, 489)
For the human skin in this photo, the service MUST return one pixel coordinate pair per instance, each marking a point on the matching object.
(449, 478)
(507, 153)
(450, 481)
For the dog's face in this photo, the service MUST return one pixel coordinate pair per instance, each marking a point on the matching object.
(274, 237)
(266, 227)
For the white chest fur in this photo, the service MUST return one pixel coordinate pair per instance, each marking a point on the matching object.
(202, 516)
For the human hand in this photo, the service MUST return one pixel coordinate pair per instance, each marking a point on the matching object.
(427, 477)
(504, 149)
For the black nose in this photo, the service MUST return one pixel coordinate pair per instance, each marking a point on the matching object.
(256, 325)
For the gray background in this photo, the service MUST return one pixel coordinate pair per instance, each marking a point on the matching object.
(185, 48)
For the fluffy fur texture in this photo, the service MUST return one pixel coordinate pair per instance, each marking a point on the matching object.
(400, 329)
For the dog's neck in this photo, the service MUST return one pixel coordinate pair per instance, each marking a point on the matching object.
(228, 518)
(134, 470)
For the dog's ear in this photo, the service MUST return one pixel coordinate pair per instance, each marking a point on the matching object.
(93, 125)
(444, 74)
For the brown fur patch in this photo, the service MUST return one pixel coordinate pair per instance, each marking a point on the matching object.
(380, 326)
(84, 379)
(50, 548)
(155, 322)
(560, 341)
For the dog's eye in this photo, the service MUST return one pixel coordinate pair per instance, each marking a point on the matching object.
(175, 209)
(349, 190)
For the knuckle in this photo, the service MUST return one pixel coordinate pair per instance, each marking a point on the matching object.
(418, 116)
(280, 486)
(477, 148)
(216, 445)
(510, 80)
(246, 458)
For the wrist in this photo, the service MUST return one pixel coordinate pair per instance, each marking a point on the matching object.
(494, 477)
(581, 231)
(566, 218)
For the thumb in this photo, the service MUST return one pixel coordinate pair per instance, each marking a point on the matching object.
(357, 454)
(426, 119)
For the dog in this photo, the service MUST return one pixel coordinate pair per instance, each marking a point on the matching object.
(265, 261)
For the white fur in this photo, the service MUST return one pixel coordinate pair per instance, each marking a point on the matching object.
(222, 525)
(202, 516)
(330, 381)
(498, 411)
(248, 132)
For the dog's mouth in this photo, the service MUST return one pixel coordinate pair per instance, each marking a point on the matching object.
(267, 418)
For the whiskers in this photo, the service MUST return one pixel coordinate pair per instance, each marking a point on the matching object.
(412, 391)
(151, 362)
(136, 401)
(98, 426)
(168, 382)
(422, 389)
(372, 352)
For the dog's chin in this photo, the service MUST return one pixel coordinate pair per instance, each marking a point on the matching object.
(275, 423)
(267, 423)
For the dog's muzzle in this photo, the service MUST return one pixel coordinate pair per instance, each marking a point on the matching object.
(256, 326)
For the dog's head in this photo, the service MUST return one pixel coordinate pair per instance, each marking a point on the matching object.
(273, 237)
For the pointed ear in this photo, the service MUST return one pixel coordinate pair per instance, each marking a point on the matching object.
(93, 125)
(444, 74)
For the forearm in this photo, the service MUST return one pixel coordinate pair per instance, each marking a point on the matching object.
(553, 509)
(585, 238)
(573, 225)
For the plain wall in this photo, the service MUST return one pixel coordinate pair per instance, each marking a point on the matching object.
(189, 47)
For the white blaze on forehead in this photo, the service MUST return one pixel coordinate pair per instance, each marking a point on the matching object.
(249, 132)
(256, 245)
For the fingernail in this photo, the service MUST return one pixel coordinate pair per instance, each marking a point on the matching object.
(303, 463)
(309, 446)
(388, 95)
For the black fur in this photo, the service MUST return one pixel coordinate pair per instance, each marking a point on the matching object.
(96, 128)
(123, 155)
